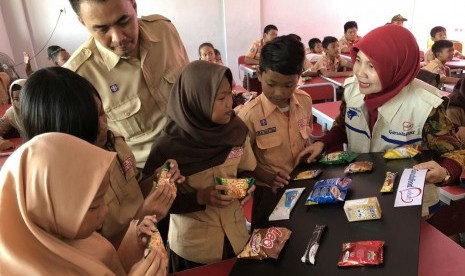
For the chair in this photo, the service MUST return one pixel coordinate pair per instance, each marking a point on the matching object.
(320, 92)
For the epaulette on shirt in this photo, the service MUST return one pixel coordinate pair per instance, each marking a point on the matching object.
(79, 57)
(154, 17)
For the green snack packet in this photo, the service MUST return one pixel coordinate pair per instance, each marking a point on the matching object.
(339, 157)
(237, 188)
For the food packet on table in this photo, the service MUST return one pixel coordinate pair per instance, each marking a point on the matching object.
(312, 247)
(155, 242)
(407, 151)
(329, 191)
(265, 243)
(360, 166)
(163, 179)
(237, 188)
(286, 204)
(388, 185)
(339, 157)
(362, 209)
(309, 174)
(361, 253)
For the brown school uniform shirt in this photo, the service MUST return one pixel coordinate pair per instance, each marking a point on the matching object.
(199, 236)
(277, 139)
(135, 92)
(255, 49)
(437, 67)
(343, 42)
(330, 65)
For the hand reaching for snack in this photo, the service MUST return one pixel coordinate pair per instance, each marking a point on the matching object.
(159, 201)
(211, 196)
(145, 229)
(174, 174)
(280, 180)
(155, 263)
(248, 196)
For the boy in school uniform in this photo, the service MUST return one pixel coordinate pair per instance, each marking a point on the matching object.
(443, 51)
(280, 119)
(314, 46)
(331, 63)
(253, 53)
(438, 33)
(350, 37)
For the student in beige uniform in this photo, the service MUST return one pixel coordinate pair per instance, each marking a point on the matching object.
(51, 204)
(280, 119)
(253, 53)
(331, 63)
(133, 64)
(350, 37)
(438, 33)
(208, 141)
(47, 94)
(443, 50)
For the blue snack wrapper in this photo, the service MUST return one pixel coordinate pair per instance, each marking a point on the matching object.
(329, 191)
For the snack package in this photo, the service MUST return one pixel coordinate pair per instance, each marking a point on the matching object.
(388, 185)
(362, 209)
(339, 157)
(407, 151)
(310, 174)
(286, 204)
(155, 241)
(237, 188)
(312, 247)
(361, 253)
(163, 179)
(329, 191)
(265, 243)
(361, 166)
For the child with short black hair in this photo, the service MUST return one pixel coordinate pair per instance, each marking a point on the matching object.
(280, 119)
(438, 33)
(443, 51)
(331, 63)
(207, 52)
(350, 36)
(315, 46)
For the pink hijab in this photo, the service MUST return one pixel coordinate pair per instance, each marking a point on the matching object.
(394, 53)
(46, 188)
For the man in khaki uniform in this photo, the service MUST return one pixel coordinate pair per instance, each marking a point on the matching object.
(132, 63)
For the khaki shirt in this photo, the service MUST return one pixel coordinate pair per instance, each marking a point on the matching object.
(124, 196)
(134, 91)
(277, 139)
(255, 49)
(330, 65)
(437, 67)
(199, 236)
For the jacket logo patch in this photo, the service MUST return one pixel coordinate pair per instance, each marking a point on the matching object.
(114, 88)
(235, 152)
(407, 126)
(265, 131)
(353, 112)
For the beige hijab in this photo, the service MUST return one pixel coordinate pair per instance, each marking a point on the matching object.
(16, 112)
(46, 188)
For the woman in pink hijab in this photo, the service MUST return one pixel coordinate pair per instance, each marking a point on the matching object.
(384, 107)
(51, 204)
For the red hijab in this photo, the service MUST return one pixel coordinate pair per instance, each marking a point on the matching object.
(394, 53)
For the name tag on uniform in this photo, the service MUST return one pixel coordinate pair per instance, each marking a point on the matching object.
(265, 131)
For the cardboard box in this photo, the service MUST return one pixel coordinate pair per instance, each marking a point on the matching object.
(362, 209)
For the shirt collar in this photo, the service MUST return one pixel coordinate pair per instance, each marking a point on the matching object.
(269, 107)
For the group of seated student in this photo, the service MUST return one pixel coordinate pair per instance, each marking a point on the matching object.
(438, 33)
(74, 201)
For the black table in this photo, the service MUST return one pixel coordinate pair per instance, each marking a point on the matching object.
(399, 227)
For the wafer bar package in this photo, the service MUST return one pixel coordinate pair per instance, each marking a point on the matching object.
(163, 179)
(362, 209)
(329, 191)
(265, 243)
(388, 185)
(357, 167)
(361, 253)
(286, 204)
(237, 188)
(155, 242)
(339, 157)
(312, 247)
(310, 174)
(407, 151)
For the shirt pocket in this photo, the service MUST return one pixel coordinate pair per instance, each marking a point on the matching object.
(165, 86)
(269, 145)
(123, 117)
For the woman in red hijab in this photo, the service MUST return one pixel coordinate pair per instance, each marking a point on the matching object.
(384, 107)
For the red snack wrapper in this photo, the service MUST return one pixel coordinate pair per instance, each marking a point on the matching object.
(361, 253)
(265, 243)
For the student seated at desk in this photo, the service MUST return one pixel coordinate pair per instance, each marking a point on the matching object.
(350, 37)
(253, 53)
(438, 33)
(314, 46)
(51, 207)
(280, 119)
(331, 63)
(385, 106)
(443, 50)
(11, 119)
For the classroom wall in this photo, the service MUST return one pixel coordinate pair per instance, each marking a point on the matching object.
(231, 25)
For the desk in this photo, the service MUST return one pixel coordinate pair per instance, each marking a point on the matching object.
(250, 72)
(325, 113)
(339, 81)
(456, 64)
(318, 82)
(438, 255)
